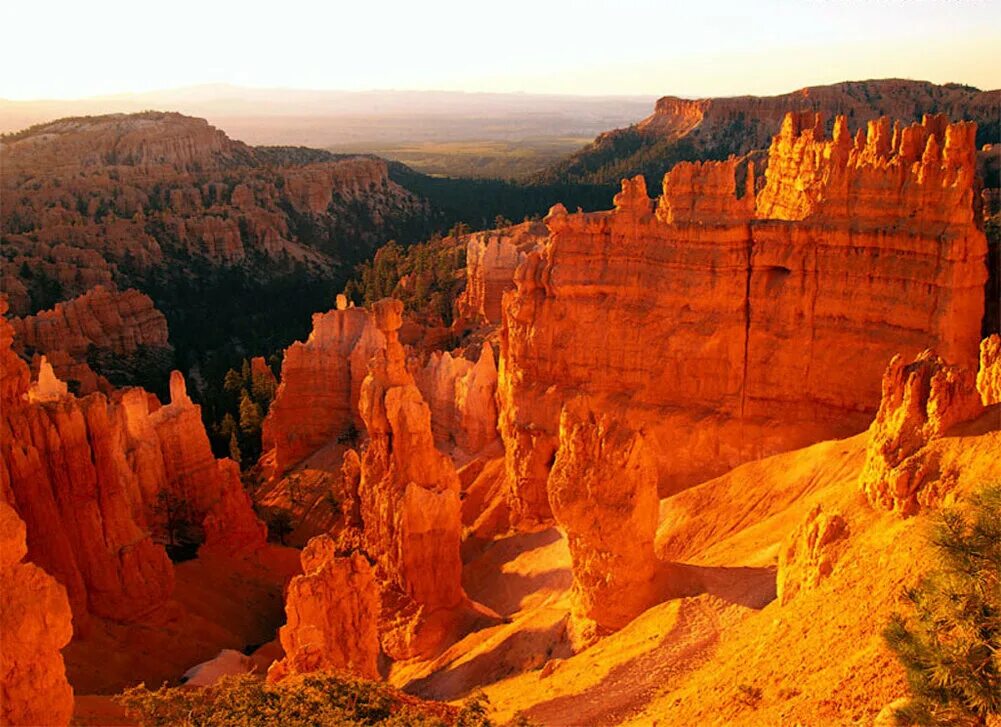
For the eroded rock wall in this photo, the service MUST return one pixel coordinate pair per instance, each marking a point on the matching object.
(732, 326)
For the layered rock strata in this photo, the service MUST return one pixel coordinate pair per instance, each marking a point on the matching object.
(728, 326)
(491, 259)
(408, 497)
(462, 396)
(94, 479)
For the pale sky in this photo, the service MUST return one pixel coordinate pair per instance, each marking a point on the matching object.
(72, 48)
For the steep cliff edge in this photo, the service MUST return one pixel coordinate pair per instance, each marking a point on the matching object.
(35, 623)
(740, 331)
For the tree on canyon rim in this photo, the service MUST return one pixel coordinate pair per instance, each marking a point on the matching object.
(950, 646)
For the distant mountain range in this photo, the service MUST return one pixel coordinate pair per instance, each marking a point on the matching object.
(714, 128)
(338, 118)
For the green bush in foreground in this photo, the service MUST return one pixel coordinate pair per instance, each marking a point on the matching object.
(951, 643)
(311, 700)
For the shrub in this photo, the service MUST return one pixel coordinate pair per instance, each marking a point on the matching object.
(300, 701)
(950, 644)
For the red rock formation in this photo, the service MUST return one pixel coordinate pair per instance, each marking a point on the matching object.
(332, 615)
(461, 396)
(102, 317)
(808, 555)
(712, 128)
(35, 623)
(921, 401)
(989, 373)
(491, 259)
(321, 380)
(408, 501)
(603, 492)
(210, 488)
(85, 475)
(89, 201)
(732, 335)
(119, 322)
(64, 466)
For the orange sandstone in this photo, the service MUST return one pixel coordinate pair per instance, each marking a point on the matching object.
(921, 401)
(731, 331)
(35, 623)
(603, 492)
(332, 615)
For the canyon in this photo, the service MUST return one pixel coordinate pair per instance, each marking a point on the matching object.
(626, 485)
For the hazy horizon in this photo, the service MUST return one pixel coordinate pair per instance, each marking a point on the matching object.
(631, 48)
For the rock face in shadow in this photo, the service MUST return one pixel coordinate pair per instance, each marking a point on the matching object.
(332, 615)
(729, 326)
(462, 397)
(603, 493)
(921, 401)
(36, 623)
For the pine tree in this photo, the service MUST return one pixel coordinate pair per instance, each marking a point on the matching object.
(951, 644)
(227, 426)
(233, 381)
(250, 414)
(234, 448)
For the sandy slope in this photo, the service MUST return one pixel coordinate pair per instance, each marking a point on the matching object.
(732, 654)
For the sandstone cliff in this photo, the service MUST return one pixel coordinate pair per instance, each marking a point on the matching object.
(461, 395)
(730, 329)
(317, 400)
(491, 259)
(35, 622)
(94, 478)
(115, 323)
(408, 501)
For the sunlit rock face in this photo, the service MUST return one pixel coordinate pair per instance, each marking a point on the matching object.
(921, 401)
(332, 615)
(408, 501)
(989, 374)
(733, 327)
(317, 399)
(36, 623)
(603, 492)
